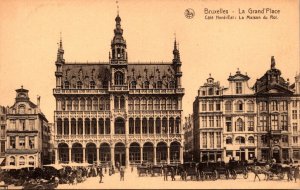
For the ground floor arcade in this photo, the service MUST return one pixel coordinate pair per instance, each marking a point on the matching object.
(122, 153)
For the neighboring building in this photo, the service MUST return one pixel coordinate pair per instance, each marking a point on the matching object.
(188, 138)
(118, 111)
(3, 111)
(51, 142)
(277, 102)
(246, 122)
(26, 132)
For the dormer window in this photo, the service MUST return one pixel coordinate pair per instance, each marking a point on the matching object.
(133, 84)
(79, 85)
(146, 84)
(238, 88)
(67, 85)
(210, 91)
(92, 85)
(21, 109)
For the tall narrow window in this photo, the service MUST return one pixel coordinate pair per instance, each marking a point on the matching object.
(119, 78)
(274, 122)
(228, 106)
(79, 85)
(239, 89)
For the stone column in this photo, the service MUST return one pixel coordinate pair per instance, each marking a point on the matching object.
(98, 155)
(84, 158)
(127, 157)
(181, 154)
(56, 155)
(154, 153)
(70, 155)
(76, 127)
(7, 142)
(83, 126)
(112, 155)
(246, 153)
(141, 154)
(168, 155)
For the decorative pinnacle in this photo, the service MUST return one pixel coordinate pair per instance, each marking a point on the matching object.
(117, 2)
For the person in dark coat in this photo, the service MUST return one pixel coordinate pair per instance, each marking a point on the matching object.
(165, 170)
(100, 175)
(296, 173)
(122, 172)
(173, 174)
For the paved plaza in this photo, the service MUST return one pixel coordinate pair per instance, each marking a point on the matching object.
(132, 181)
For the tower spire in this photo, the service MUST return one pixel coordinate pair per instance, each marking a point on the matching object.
(60, 51)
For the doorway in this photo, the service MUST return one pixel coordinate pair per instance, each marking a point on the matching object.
(120, 151)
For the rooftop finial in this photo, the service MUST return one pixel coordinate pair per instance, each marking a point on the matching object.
(60, 41)
(272, 62)
(22, 86)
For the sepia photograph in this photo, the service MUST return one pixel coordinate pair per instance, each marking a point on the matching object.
(149, 94)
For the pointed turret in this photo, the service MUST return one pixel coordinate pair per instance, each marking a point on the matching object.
(59, 63)
(177, 64)
(118, 44)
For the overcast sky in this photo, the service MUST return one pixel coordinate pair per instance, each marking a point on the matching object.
(29, 32)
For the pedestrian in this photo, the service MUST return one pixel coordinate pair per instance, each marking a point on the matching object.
(256, 172)
(122, 174)
(290, 174)
(296, 173)
(173, 174)
(100, 175)
(165, 174)
(131, 168)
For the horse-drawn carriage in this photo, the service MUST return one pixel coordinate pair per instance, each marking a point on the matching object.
(222, 169)
(189, 169)
(142, 170)
(156, 169)
(236, 168)
(207, 170)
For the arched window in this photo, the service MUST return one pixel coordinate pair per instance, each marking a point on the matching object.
(82, 104)
(210, 91)
(137, 104)
(92, 84)
(130, 104)
(89, 104)
(228, 140)
(146, 84)
(95, 104)
(175, 104)
(150, 104)
(239, 106)
(169, 104)
(21, 161)
(240, 140)
(133, 84)
(76, 102)
(69, 104)
(31, 160)
(251, 140)
(79, 85)
(156, 104)
(144, 104)
(228, 106)
(21, 109)
(250, 106)
(116, 102)
(119, 78)
(12, 161)
(163, 104)
(67, 85)
(122, 102)
(239, 125)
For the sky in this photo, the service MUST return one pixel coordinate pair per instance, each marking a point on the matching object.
(30, 31)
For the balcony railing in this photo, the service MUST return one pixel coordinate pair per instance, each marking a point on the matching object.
(156, 91)
(79, 91)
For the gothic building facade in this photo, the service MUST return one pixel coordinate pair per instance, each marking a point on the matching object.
(247, 122)
(27, 133)
(118, 111)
